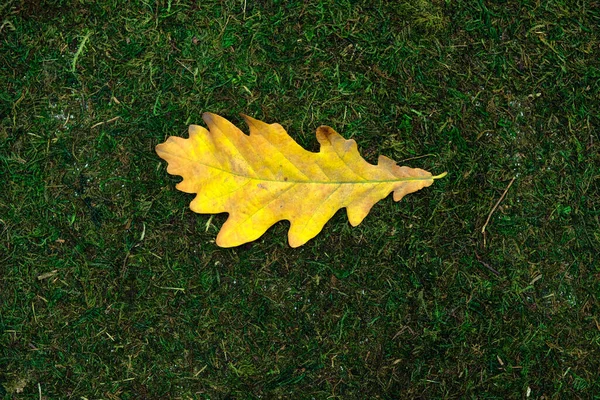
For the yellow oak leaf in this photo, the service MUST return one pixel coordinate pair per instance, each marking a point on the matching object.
(266, 177)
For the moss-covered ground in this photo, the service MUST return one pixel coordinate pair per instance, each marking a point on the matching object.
(111, 288)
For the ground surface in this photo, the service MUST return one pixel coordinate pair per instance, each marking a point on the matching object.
(110, 287)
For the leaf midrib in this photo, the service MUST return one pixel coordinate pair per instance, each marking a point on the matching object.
(362, 182)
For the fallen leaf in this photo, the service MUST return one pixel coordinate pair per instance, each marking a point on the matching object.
(266, 177)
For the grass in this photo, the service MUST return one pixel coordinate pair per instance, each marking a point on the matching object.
(110, 287)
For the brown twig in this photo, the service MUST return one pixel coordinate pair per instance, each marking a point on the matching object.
(104, 122)
(487, 221)
(486, 265)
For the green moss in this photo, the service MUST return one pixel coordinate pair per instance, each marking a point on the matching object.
(112, 288)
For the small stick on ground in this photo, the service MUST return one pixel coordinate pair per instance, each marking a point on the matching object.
(494, 209)
(105, 122)
(486, 265)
